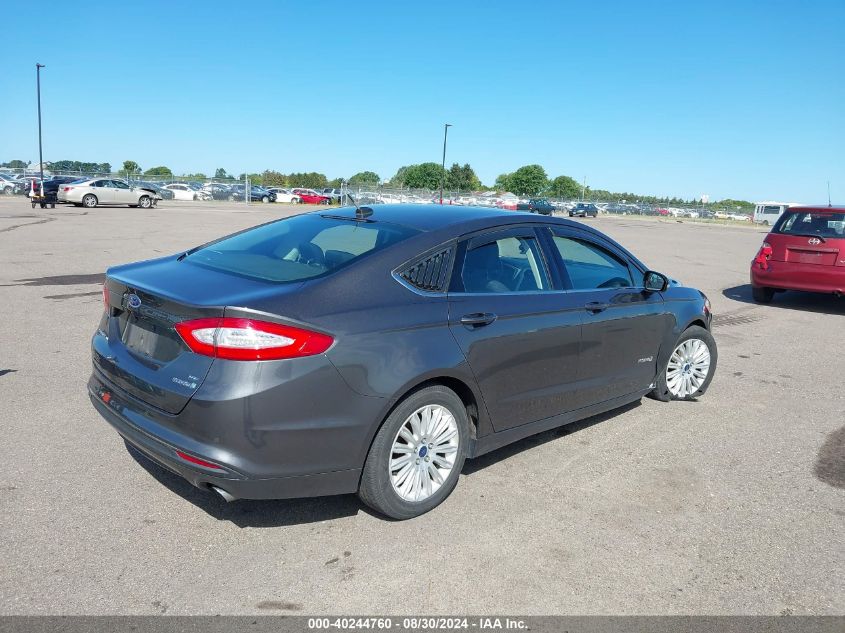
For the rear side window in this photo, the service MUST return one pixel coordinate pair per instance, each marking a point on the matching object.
(590, 266)
(509, 264)
(298, 248)
(811, 224)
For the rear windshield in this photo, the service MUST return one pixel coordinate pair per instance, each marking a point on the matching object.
(811, 224)
(298, 248)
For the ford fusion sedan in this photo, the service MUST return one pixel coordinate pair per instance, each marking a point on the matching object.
(805, 250)
(95, 191)
(374, 350)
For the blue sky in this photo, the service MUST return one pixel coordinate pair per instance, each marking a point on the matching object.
(733, 99)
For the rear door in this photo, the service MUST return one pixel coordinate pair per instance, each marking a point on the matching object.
(623, 324)
(519, 332)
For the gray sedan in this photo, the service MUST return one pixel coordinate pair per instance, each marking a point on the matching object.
(93, 191)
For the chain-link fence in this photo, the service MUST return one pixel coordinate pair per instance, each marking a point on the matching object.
(190, 188)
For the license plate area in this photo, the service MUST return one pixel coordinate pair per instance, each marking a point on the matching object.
(149, 338)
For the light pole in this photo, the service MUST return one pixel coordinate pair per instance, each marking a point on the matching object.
(38, 68)
(443, 164)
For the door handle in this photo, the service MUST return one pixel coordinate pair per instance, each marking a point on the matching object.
(596, 306)
(478, 319)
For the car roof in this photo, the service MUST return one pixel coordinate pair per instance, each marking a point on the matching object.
(819, 208)
(430, 217)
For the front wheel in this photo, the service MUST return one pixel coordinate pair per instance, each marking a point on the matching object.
(89, 200)
(690, 367)
(761, 294)
(417, 454)
(144, 202)
(265, 199)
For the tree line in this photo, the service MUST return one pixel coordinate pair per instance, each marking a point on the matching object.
(528, 180)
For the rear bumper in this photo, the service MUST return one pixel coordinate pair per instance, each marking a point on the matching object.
(132, 420)
(806, 277)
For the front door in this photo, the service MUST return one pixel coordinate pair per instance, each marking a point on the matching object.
(623, 323)
(519, 333)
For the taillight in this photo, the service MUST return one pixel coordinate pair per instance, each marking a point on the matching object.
(250, 339)
(106, 297)
(66, 189)
(763, 256)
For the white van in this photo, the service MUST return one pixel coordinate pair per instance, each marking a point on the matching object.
(767, 213)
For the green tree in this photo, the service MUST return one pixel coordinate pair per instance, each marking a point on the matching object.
(528, 180)
(197, 176)
(398, 179)
(131, 167)
(308, 180)
(335, 183)
(158, 171)
(221, 173)
(565, 188)
(502, 182)
(462, 178)
(424, 176)
(273, 178)
(364, 178)
(14, 164)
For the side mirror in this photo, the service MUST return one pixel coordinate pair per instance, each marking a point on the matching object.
(655, 282)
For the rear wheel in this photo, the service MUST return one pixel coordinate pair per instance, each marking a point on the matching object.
(294, 201)
(89, 200)
(761, 294)
(690, 367)
(417, 454)
(144, 202)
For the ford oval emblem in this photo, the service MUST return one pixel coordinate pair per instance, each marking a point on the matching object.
(133, 301)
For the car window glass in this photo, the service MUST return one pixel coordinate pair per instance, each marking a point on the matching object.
(120, 184)
(590, 266)
(809, 223)
(99, 183)
(509, 264)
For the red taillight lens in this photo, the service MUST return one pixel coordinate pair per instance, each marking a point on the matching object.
(106, 297)
(250, 339)
(66, 189)
(197, 461)
(763, 256)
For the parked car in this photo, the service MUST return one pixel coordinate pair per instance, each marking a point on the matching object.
(334, 194)
(284, 195)
(90, 192)
(256, 194)
(584, 210)
(10, 185)
(309, 196)
(217, 191)
(161, 192)
(536, 205)
(182, 191)
(805, 250)
(334, 353)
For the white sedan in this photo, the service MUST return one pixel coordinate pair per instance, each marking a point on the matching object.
(93, 191)
(181, 191)
(285, 195)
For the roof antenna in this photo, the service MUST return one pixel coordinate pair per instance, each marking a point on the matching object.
(828, 194)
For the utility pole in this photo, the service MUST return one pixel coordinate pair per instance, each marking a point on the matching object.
(443, 164)
(583, 188)
(38, 68)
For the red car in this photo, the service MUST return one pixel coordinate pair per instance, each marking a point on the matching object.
(309, 196)
(805, 250)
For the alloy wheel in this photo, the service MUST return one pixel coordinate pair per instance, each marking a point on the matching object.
(423, 453)
(688, 368)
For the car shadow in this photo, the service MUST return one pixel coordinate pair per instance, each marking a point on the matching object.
(506, 452)
(250, 512)
(790, 300)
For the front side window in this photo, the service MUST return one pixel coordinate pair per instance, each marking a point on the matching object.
(509, 264)
(590, 266)
(120, 184)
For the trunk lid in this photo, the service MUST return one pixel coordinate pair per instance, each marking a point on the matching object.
(142, 353)
(805, 249)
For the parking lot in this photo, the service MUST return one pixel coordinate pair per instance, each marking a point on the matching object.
(730, 505)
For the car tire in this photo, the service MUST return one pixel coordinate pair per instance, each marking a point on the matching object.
(144, 202)
(8, 191)
(231, 198)
(295, 200)
(265, 199)
(380, 485)
(671, 383)
(89, 201)
(761, 294)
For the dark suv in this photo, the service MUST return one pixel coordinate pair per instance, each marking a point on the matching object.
(584, 210)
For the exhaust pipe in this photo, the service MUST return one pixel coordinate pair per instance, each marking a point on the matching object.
(228, 498)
